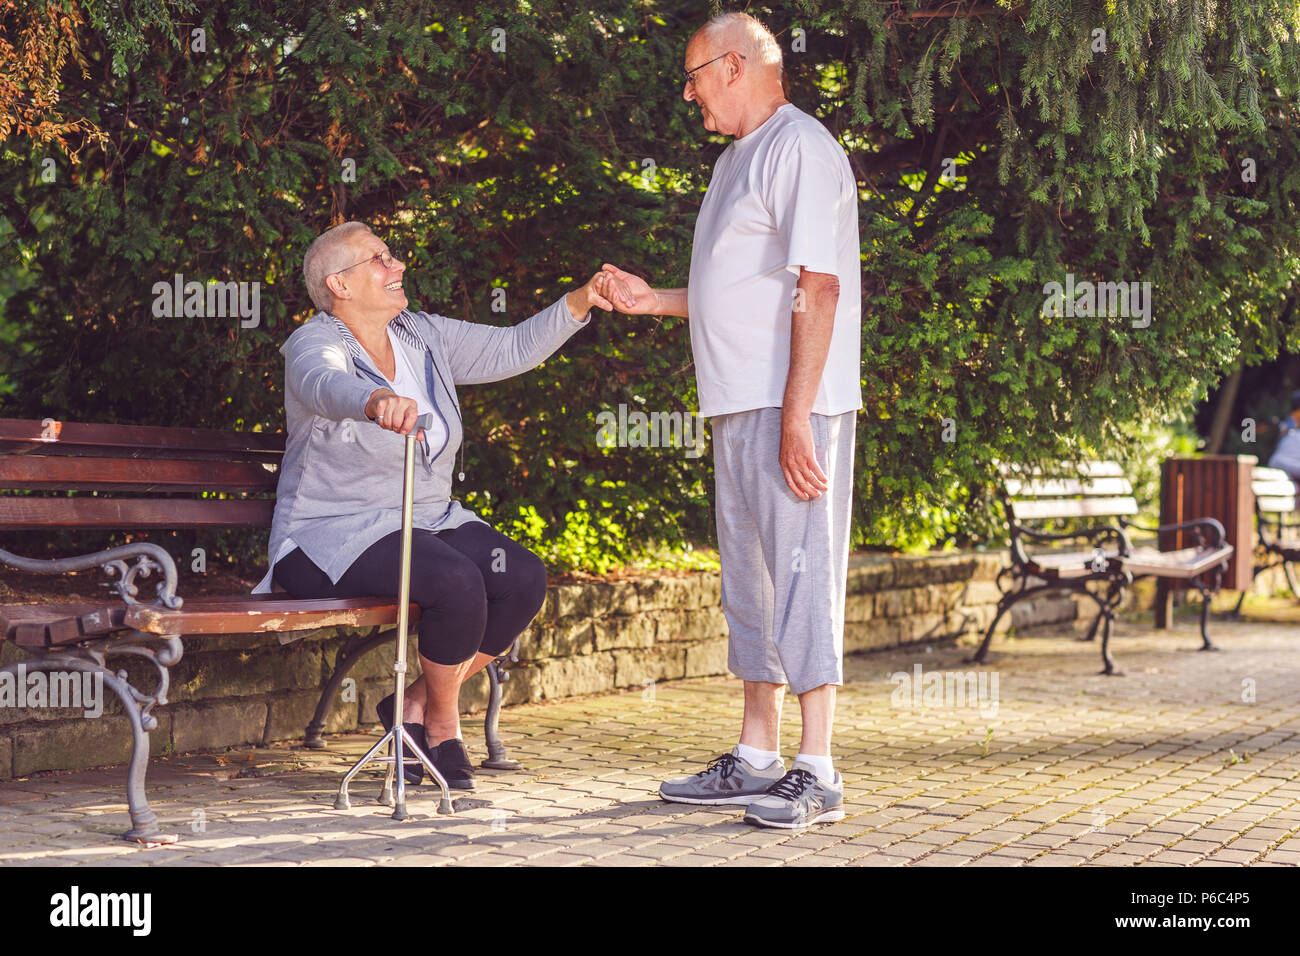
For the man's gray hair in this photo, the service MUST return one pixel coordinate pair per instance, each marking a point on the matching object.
(325, 256)
(753, 39)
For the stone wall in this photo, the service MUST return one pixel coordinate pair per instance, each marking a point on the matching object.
(589, 638)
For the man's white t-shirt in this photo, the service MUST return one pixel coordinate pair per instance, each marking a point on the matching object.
(781, 197)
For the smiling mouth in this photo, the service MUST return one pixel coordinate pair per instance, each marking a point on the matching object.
(393, 287)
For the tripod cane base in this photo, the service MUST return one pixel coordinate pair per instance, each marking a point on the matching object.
(390, 795)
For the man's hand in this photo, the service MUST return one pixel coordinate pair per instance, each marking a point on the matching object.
(633, 295)
(812, 323)
(597, 292)
(798, 459)
(392, 412)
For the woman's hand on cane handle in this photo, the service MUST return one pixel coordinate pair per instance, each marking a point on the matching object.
(392, 412)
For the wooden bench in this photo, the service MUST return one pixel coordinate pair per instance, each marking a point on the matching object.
(139, 478)
(1098, 499)
(1278, 524)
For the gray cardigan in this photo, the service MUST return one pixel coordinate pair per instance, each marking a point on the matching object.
(340, 485)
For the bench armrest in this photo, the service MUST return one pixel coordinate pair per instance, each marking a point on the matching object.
(149, 558)
(1212, 524)
(1100, 531)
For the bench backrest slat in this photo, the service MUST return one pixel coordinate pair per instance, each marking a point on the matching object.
(88, 438)
(171, 514)
(1089, 469)
(134, 474)
(142, 477)
(1275, 492)
(1043, 508)
(1087, 489)
(1060, 487)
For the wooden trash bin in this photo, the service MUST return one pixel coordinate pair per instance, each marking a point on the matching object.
(1208, 486)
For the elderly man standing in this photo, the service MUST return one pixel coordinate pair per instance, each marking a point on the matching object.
(774, 306)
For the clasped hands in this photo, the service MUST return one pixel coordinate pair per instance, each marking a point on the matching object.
(612, 289)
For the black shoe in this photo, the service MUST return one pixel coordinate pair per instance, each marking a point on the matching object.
(412, 772)
(453, 763)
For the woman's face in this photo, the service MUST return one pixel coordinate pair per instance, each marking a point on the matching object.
(375, 287)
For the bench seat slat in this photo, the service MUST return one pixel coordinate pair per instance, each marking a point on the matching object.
(1186, 563)
(134, 513)
(50, 625)
(43, 625)
(1067, 564)
(237, 616)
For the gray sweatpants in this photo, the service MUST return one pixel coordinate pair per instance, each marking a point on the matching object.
(784, 560)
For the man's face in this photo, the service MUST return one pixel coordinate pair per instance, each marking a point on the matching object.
(709, 88)
(373, 286)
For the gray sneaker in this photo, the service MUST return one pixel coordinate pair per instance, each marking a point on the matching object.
(727, 779)
(797, 800)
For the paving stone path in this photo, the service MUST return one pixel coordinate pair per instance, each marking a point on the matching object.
(1191, 758)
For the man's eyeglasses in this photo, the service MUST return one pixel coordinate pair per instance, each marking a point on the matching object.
(690, 74)
(385, 258)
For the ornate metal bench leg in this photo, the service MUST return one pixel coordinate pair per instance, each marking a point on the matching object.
(144, 823)
(497, 759)
(1292, 579)
(1114, 596)
(1108, 662)
(1101, 611)
(1206, 643)
(1092, 630)
(1004, 605)
(347, 656)
(1236, 611)
(1207, 592)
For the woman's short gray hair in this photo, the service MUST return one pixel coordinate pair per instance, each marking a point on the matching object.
(325, 256)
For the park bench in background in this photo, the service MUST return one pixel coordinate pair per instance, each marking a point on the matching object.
(137, 478)
(1098, 499)
(1278, 525)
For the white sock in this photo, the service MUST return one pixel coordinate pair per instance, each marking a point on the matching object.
(822, 766)
(758, 759)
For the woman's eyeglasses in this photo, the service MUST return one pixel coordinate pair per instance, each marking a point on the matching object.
(385, 258)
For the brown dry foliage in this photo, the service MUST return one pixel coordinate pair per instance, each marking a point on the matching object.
(36, 43)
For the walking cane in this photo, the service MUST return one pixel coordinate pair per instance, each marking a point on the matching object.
(401, 741)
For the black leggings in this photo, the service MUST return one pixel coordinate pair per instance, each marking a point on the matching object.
(477, 589)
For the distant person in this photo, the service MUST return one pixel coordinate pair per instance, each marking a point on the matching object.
(1287, 454)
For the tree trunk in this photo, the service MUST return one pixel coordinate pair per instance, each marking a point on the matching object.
(1223, 411)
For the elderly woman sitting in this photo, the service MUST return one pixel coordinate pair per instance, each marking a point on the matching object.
(365, 357)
